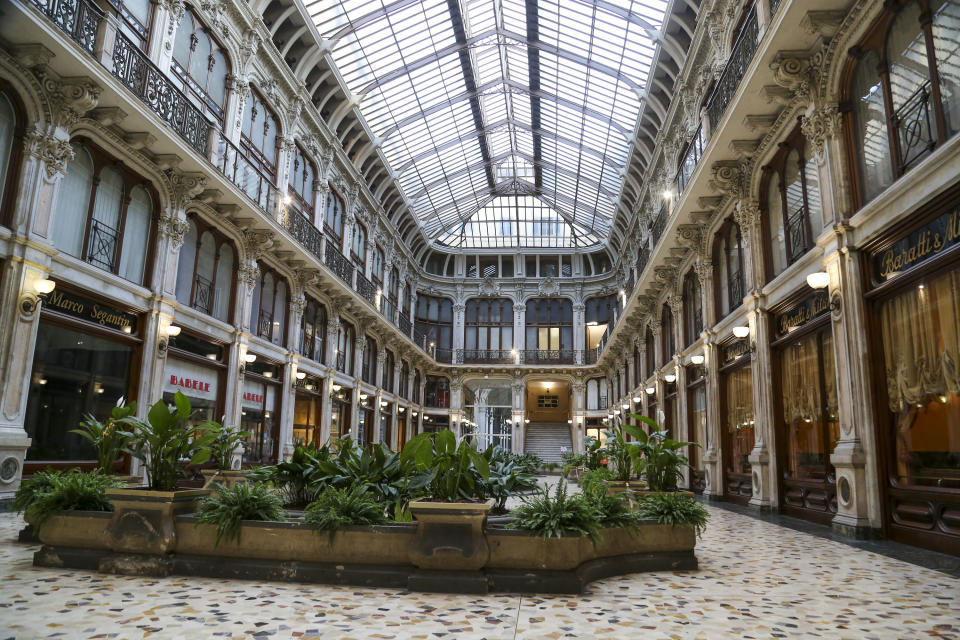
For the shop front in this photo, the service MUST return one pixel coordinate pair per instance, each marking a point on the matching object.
(88, 351)
(259, 412)
(697, 424)
(340, 413)
(386, 424)
(914, 300)
(195, 367)
(737, 421)
(806, 408)
(307, 412)
(365, 419)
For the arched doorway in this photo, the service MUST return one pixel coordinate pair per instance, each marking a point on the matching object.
(548, 413)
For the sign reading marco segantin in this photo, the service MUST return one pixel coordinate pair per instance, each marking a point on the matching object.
(79, 306)
(918, 246)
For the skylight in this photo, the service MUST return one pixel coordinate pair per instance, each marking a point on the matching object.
(517, 221)
(474, 99)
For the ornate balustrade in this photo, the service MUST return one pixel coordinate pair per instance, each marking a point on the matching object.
(486, 356)
(734, 70)
(79, 19)
(366, 289)
(339, 264)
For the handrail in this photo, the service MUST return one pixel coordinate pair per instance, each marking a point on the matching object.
(79, 19)
(736, 67)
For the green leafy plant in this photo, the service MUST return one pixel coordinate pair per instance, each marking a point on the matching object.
(163, 440)
(508, 476)
(592, 480)
(612, 510)
(107, 437)
(674, 509)
(658, 457)
(229, 507)
(337, 508)
(551, 466)
(294, 478)
(573, 460)
(31, 488)
(594, 452)
(70, 491)
(226, 440)
(529, 462)
(553, 516)
(449, 472)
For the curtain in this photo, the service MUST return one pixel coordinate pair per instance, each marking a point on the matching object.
(800, 381)
(73, 203)
(8, 123)
(136, 234)
(106, 207)
(946, 42)
(279, 311)
(188, 253)
(910, 74)
(221, 296)
(876, 171)
(739, 399)
(778, 239)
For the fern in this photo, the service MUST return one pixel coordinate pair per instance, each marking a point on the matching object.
(674, 509)
(31, 488)
(557, 515)
(337, 508)
(228, 508)
(612, 510)
(71, 491)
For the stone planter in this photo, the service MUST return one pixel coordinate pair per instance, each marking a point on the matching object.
(77, 529)
(143, 520)
(450, 535)
(575, 473)
(227, 478)
(618, 486)
(130, 481)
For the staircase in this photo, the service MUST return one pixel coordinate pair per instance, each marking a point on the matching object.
(546, 438)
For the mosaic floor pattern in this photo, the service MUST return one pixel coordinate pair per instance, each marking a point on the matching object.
(756, 580)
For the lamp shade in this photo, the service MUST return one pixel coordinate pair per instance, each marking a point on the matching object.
(818, 279)
(742, 331)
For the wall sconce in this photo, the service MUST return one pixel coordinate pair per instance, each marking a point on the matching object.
(818, 280)
(670, 378)
(336, 388)
(637, 399)
(697, 359)
(402, 409)
(569, 421)
(650, 390)
(667, 194)
(301, 375)
(526, 421)
(414, 414)
(384, 403)
(171, 331)
(247, 359)
(32, 299)
(741, 331)
(625, 406)
(363, 397)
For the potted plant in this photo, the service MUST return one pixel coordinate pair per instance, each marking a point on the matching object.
(143, 519)
(620, 453)
(108, 438)
(450, 522)
(223, 448)
(574, 464)
(658, 457)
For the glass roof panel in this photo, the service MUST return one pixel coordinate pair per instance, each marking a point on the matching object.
(481, 115)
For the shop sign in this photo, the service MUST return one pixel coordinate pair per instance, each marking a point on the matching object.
(193, 380)
(256, 395)
(735, 351)
(79, 306)
(918, 246)
(803, 312)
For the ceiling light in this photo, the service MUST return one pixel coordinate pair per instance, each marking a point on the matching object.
(670, 378)
(741, 332)
(697, 359)
(650, 390)
(268, 374)
(592, 323)
(818, 279)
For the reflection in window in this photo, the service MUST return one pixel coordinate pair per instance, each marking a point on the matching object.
(268, 316)
(205, 270)
(921, 347)
(739, 420)
(200, 66)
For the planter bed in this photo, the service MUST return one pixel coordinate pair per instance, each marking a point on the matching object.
(379, 556)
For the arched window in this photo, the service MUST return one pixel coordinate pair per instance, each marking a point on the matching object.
(488, 330)
(313, 331)
(549, 336)
(667, 340)
(301, 180)
(205, 272)
(437, 392)
(358, 246)
(387, 379)
(368, 368)
(404, 391)
(333, 217)
(135, 19)
(731, 286)
(416, 386)
(105, 216)
(11, 144)
(377, 270)
(790, 198)
(268, 315)
(651, 352)
(692, 307)
(394, 289)
(904, 90)
(345, 336)
(435, 319)
(259, 136)
(199, 66)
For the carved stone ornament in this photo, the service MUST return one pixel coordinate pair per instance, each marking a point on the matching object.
(747, 215)
(548, 287)
(249, 274)
(174, 227)
(703, 269)
(70, 98)
(297, 305)
(825, 122)
(791, 70)
(488, 287)
(184, 187)
(52, 151)
(730, 177)
(257, 243)
(175, 9)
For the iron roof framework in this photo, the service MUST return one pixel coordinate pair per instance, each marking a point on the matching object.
(472, 101)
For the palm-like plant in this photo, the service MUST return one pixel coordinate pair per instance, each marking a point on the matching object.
(658, 456)
(107, 437)
(70, 491)
(674, 509)
(229, 507)
(450, 472)
(226, 440)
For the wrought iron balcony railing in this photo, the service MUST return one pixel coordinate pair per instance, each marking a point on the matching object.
(733, 72)
(102, 245)
(235, 166)
(388, 309)
(659, 224)
(444, 356)
(691, 158)
(799, 235)
(366, 289)
(203, 295)
(133, 68)
(547, 356)
(300, 227)
(486, 356)
(339, 264)
(79, 19)
(420, 337)
(265, 325)
(403, 323)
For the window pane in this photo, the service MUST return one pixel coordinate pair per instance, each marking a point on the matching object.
(73, 203)
(136, 235)
(876, 172)
(946, 30)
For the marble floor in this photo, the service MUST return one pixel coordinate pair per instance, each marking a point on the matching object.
(756, 580)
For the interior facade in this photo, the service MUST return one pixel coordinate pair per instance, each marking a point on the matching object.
(518, 220)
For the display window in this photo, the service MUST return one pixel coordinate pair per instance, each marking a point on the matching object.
(307, 409)
(259, 412)
(738, 421)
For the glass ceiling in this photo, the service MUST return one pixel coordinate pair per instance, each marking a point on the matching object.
(473, 100)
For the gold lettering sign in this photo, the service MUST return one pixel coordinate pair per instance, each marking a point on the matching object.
(736, 350)
(85, 309)
(918, 246)
(804, 312)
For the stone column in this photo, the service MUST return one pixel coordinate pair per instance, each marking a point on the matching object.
(381, 360)
(712, 456)
(288, 399)
(519, 401)
(377, 399)
(326, 409)
(333, 331)
(642, 352)
(397, 366)
(578, 415)
(682, 418)
(519, 328)
(657, 344)
(579, 331)
(458, 326)
(631, 368)
(859, 506)
(167, 17)
(456, 406)
(747, 216)
(762, 459)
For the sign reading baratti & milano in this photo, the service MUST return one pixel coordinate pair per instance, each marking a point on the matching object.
(918, 246)
(84, 308)
(735, 351)
(803, 312)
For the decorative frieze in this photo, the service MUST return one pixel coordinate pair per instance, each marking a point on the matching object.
(822, 123)
(49, 149)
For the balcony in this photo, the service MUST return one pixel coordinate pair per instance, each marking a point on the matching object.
(547, 356)
(102, 245)
(366, 289)
(690, 160)
(233, 164)
(303, 231)
(203, 295)
(79, 19)
(388, 309)
(339, 264)
(403, 322)
(734, 70)
(486, 356)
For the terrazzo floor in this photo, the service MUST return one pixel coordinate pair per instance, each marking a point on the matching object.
(756, 580)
